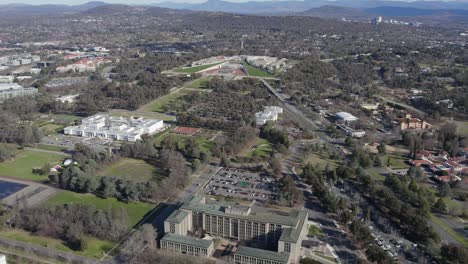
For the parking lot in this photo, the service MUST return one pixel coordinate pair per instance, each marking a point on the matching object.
(242, 184)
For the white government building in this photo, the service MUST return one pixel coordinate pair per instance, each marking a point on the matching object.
(115, 127)
(11, 90)
(269, 113)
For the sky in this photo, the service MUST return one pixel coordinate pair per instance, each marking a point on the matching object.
(132, 2)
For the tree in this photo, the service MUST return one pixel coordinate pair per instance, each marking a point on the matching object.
(454, 253)
(5, 152)
(440, 206)
(444, 189)
(381, 148)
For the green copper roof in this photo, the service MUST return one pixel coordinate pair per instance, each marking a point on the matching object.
(263, 254)
(177, 216)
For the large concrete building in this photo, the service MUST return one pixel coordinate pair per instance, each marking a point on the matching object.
(11, 90)
(115, 128)
(270, 113)
(276, 235)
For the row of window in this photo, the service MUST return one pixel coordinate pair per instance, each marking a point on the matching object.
(239, 259)
(184, 249)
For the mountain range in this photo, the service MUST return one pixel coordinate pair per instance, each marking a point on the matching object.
(354, 9)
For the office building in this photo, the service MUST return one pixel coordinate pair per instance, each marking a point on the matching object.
(346, 117)
(187, 245)
(115, 128)
(270, 113)
(276, 235)
(12, 90)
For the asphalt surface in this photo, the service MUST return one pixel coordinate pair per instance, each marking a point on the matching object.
(346, 254)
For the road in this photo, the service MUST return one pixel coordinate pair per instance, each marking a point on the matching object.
(335, 236)
(314, 126)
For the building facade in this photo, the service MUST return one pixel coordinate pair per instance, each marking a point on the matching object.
(269, 230)
(115, 128)
(269, 113)
(12, 90)
(187, 245)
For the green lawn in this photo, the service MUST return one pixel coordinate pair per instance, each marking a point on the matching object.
(262, 149)
(96, 248)
(252, 71)
(201, 83)
(205, 144)
(50, 129)
(21, 166)
(160, 104)
(315, 231)
(136, 210)
(129, 168)
(375, 174)
(459, 237)
(196, 68)
(50, 147)
(462, 128)
(396, 161)
(320, 160)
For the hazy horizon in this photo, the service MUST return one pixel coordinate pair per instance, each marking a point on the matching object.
(77, 2)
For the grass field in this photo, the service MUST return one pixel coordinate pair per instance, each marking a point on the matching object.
(396, 161)
(315, 231)
(262, 149)
(252, 71)
(96, 248)
(50, 129)
(459, 237)
(50, 147)
(201, 83)
(205, 144)
(374, 173)
(129, 168)
(21, 166)
(136, 210)
(322, 161)
(196, 68)
(159, 105)
(462, 128)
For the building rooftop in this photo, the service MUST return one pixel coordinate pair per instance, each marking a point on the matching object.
(177, 216)
(187, 240)
(263, 254)
(292, 234)
(10, 86)
(259, 214)
(345, 115)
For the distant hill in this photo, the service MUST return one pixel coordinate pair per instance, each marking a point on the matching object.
(47, 9)
(393, 11)
(116, 9)
(330, 11)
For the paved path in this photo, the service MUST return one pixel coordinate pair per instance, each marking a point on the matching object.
(45, 151)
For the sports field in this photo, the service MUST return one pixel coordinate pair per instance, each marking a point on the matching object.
(22, 164)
